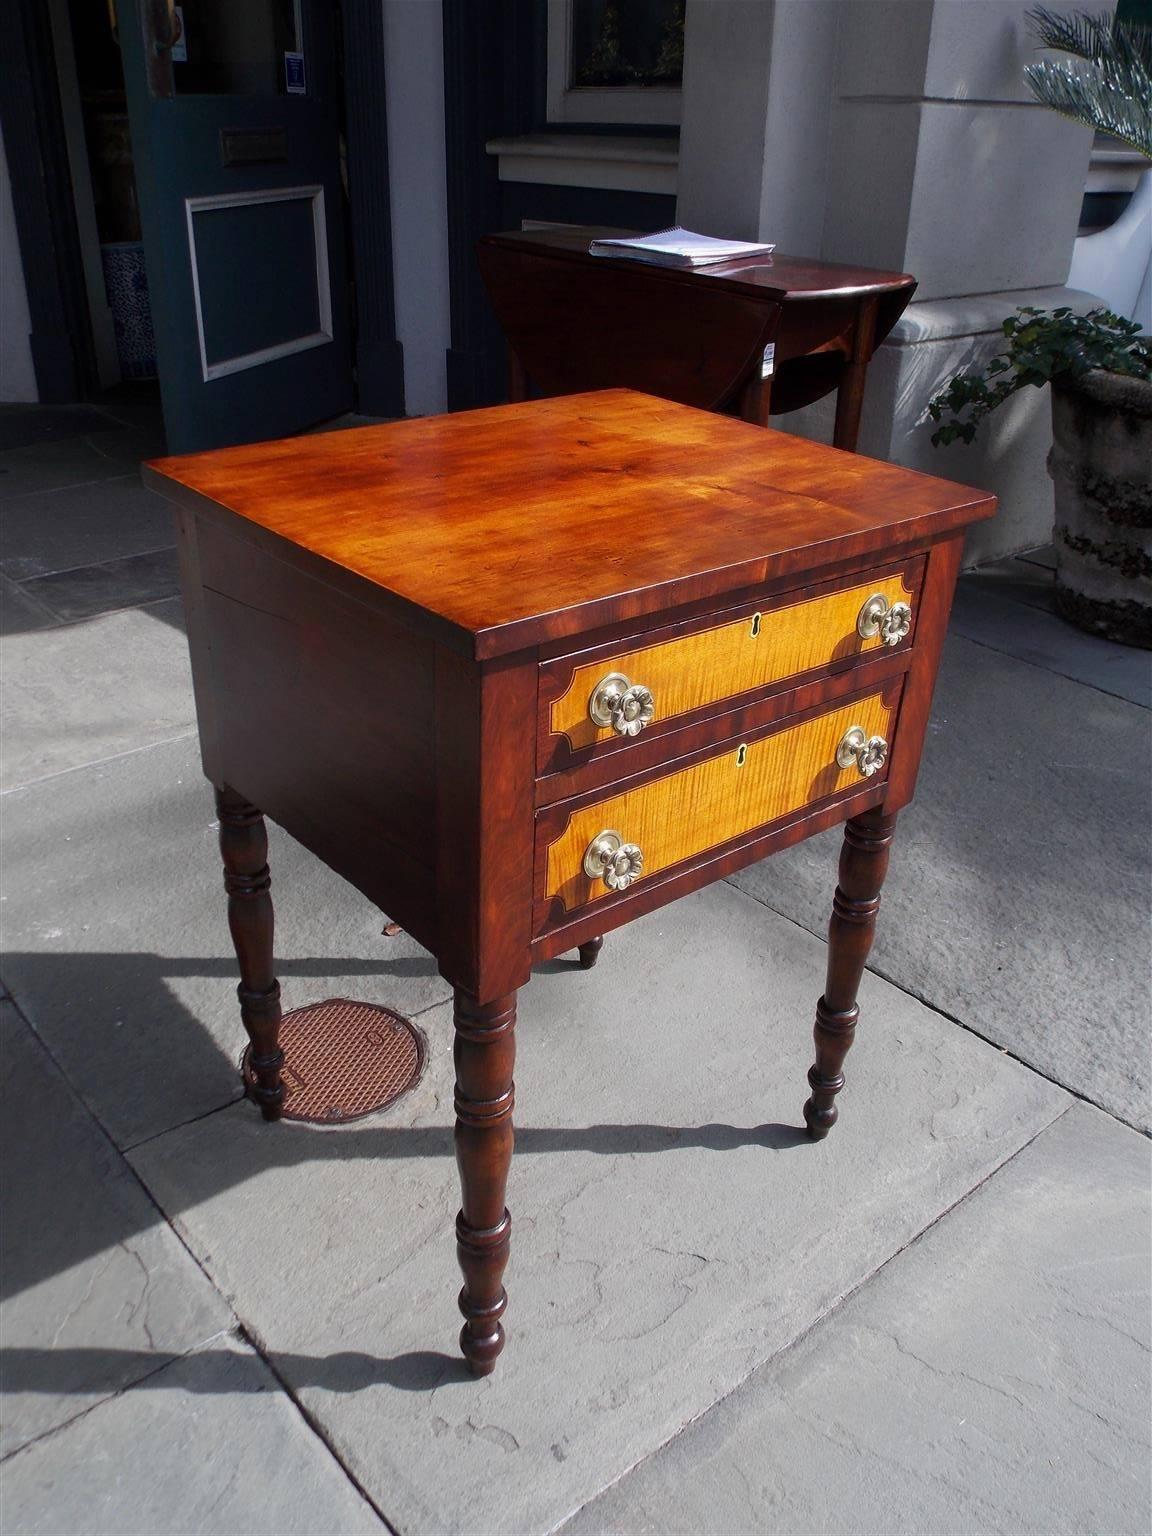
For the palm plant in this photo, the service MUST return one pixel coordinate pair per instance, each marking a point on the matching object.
(1106, 84)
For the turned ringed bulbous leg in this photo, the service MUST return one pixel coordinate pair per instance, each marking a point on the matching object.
(863, 865)
(244, 849)
(590, 952)
(484, 1053)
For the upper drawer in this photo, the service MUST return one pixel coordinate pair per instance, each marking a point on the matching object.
(718, 657)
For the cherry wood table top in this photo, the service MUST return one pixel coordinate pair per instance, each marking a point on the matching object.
(613, 505)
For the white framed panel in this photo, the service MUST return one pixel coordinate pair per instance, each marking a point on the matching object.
(315, 338)
(609, 104)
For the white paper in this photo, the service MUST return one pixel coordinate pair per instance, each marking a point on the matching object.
(679, 247)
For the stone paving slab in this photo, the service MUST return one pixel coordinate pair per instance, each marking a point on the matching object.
(87, 1257)
(209, 1445)
(83, 524)
(992, 1378)
(27, 426)
(1021, 579)
(19, 612)
(83, 692)
(1015, 616)
(117, 942)
(1016, 899)
(672, 1226)
(93, 589)
(39, 467)
(1044, 555)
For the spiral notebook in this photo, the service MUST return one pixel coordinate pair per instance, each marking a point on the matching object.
(678, 247)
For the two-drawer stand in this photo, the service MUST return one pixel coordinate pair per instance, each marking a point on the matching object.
(524, 674)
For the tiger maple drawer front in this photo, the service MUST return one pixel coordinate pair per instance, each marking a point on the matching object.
(619, 840)
(613, 697)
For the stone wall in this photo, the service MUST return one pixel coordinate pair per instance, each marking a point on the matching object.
(898, 134)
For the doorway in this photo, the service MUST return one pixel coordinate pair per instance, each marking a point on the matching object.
(103, 184)
(212, 151)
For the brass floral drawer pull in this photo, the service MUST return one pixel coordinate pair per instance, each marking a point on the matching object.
(891, 621)
(867, 754)
(626, 706)
(609, 858)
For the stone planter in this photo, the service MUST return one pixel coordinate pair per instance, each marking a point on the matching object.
(1101, 466)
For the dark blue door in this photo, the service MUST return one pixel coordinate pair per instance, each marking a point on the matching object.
(235, 119)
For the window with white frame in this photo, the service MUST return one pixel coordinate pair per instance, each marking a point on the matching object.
(615, 61)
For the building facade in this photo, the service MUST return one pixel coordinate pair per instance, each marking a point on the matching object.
(304, 182)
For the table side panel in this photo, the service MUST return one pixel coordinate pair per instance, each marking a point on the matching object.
(323, 711)
(935, 606)
(485, 761)
(196, 626)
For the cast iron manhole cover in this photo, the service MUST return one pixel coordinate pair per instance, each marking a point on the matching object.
(344, 1060)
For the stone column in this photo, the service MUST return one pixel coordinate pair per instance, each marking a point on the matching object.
(758, 77)
(899, 134)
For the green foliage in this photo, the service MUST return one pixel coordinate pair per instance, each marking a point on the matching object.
(1043, 345)
(1106, 84)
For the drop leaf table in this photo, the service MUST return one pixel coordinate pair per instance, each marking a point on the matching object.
(521, 675)
(574, 321)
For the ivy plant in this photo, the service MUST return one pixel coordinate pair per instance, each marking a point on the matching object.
(1044, 346)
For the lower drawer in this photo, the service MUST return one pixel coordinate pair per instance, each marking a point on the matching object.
(597, 848)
